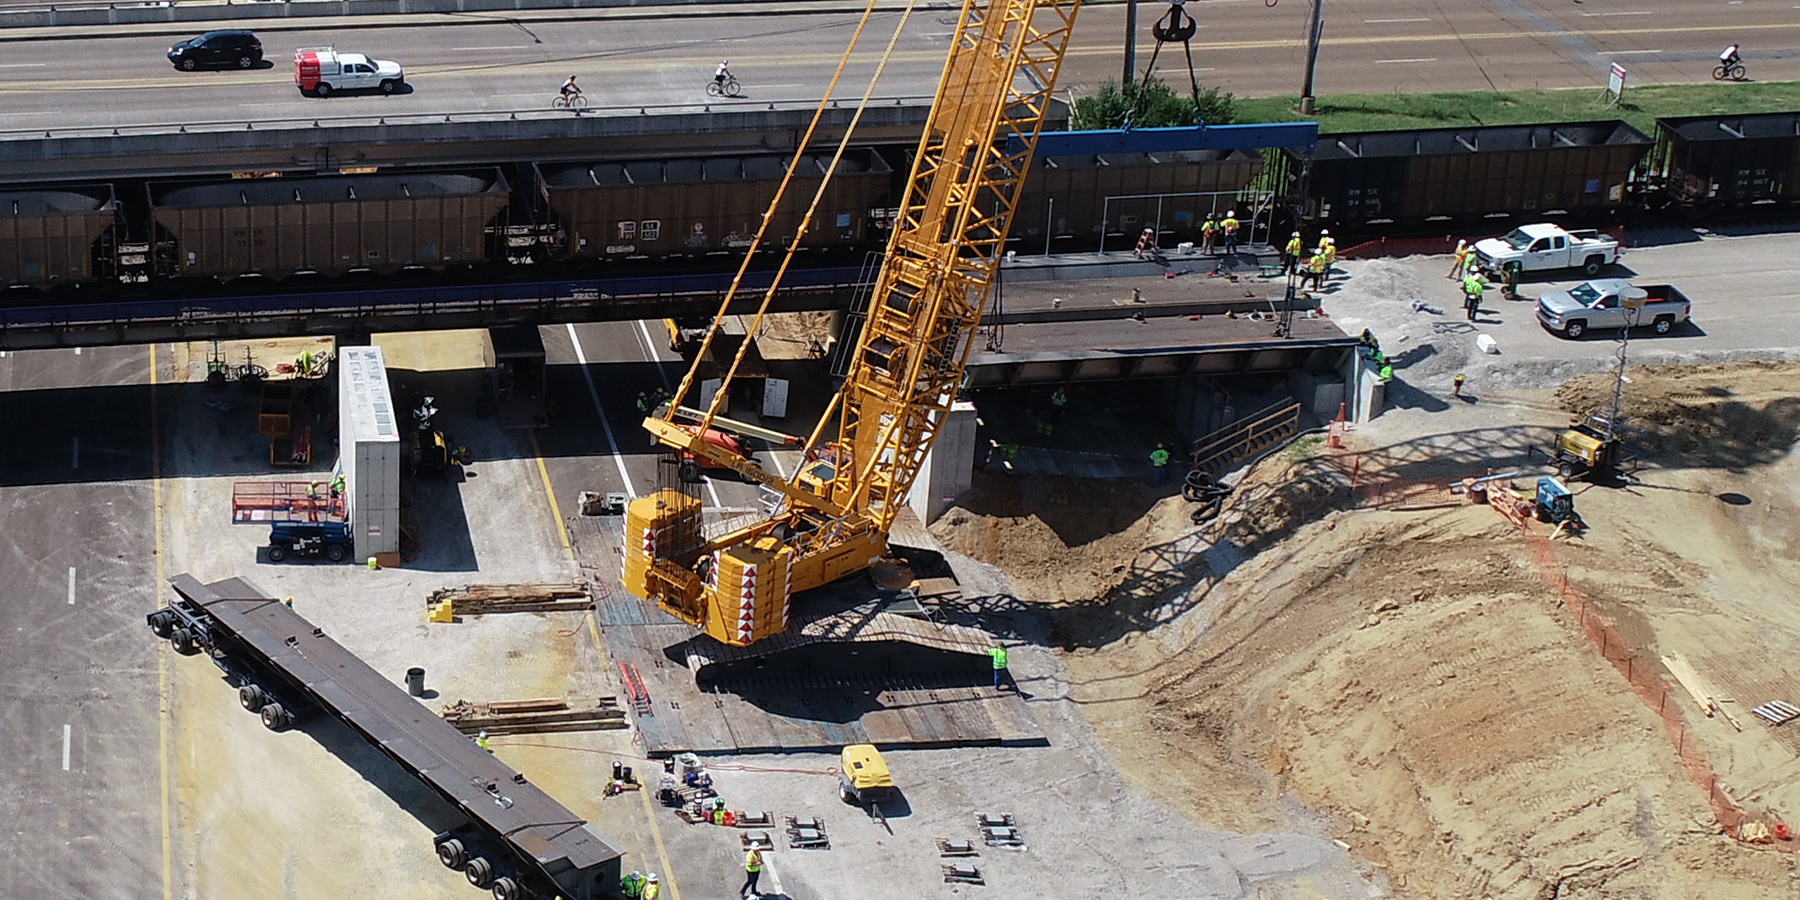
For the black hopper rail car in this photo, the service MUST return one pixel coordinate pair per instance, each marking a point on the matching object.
(1730, 162)
(1468, 174)
(519, 842)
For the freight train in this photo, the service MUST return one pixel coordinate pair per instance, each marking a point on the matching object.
(691, 214)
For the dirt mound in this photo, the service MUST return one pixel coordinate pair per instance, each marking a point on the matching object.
(1714, 415)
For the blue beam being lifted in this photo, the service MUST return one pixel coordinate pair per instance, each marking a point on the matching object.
(1299, 136)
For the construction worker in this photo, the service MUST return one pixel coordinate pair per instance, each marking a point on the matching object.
(998, 655)
(1456, 385)
(1369, 344)
(1229, 227)
(1290, 256)
(481, 740)
(1472, 290)
(1316, 268)
(1328, 248)
(652, 889)
(312, 491)
(337, 485)
(1509, 285)
(643, 403)
(305, 362)
(1209, 232)
(1462, 260)
(632, 886)
(752, 871)
(1159, 461)
(289, 602)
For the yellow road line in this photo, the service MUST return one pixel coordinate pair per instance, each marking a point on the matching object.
(562, 531)
(162, 658)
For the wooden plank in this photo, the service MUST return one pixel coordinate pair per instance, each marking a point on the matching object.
(542, 704)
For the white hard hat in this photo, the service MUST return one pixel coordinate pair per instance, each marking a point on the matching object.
(1296, 234)
(1324, 231)
(652, 876)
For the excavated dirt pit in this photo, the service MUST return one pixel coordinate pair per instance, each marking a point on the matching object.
(1413, 677)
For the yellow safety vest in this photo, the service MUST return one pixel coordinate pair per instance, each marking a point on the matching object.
(753, 861)
(1209, 226)
(1295, 247)
(1229, 224)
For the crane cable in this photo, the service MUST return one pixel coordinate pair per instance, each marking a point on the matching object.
(718, 399)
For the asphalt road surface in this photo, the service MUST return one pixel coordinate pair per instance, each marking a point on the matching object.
(80, 680)
(632, 58)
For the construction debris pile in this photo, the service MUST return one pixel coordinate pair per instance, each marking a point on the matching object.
(445, 604)
(497, 717)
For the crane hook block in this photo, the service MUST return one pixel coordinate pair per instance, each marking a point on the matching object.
(1177, 26)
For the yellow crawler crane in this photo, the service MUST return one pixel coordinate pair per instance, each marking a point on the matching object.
(927, 302)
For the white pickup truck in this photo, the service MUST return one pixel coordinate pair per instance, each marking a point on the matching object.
(321, 70)
(1533, 248)
(1600, 304)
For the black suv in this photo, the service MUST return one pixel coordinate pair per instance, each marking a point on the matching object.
(217, 48)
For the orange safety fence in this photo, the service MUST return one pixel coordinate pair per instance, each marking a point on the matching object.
(1644, 676)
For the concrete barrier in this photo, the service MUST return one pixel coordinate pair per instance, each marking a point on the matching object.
(176, 12)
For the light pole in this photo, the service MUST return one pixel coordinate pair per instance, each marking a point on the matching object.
(1632, 299)
(1130, 45)
(1313, 30)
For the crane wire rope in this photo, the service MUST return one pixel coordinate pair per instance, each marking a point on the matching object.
(718, 399)
(1175, 25)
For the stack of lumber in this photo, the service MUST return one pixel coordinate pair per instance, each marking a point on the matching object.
(536, 596)
(1697, 688)
(499, 717)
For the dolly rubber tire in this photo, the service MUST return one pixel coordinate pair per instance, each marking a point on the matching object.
(505, 888)
(275, 717)
(183, 641)
(452, 854)
(252, 698)
(480, 872)
(162, 622)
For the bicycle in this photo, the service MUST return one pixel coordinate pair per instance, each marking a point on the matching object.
(729, 88)
(1733, 71)
(576, 102)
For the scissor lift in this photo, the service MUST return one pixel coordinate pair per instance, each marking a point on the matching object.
(255, 502)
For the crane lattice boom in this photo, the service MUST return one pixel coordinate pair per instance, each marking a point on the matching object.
(923, 314)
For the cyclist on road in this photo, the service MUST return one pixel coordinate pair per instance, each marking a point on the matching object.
(570, 88)
(723, 73)
(1729, 56)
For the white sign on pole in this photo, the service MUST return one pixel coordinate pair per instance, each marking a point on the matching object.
(1615, 83)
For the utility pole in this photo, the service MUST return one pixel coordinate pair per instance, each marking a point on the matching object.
(1131, 46)
(1312, 56)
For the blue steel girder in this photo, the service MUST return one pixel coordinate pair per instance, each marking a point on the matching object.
(1301, 137)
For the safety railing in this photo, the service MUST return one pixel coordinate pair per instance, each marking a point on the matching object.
(1241, 440)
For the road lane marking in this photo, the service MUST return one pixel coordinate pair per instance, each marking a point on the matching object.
(71, 585)
(537, 453)
(768, 862)
(77, 351)
(1633, 12)
(75, 453)
(594, 394)
(1624, 52)
(502, 47)
(66, 733)
(1419, 60)
(41, 65)
(1390, 21)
